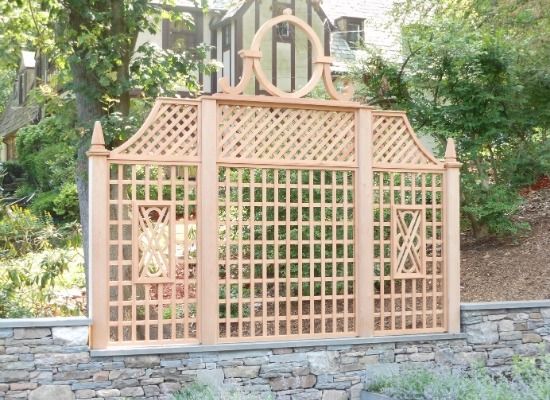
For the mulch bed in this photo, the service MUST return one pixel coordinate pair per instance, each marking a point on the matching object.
(513, 269)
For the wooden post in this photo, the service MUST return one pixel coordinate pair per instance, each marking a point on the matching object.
(98, 254)
(451, 198)
(208, 228)
(364, 227)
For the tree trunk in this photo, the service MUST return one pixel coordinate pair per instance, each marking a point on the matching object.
(88, 110)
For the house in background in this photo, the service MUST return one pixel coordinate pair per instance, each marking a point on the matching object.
(229, 26)
(19, 110)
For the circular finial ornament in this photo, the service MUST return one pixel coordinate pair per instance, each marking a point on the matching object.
(252, 63)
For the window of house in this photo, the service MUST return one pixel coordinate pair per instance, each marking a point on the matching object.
(283, 31)
(354, 31)
(179, 35)
(21, 88)
(226, 37)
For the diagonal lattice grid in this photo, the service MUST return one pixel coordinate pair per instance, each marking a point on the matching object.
(286, 134)
(174, 131)
(393, 142)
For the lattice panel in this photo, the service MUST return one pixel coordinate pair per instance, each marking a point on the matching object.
(171, 130)
(394, 142)
(152, 251)
(250, 133)
(286, 253)
(408, 247)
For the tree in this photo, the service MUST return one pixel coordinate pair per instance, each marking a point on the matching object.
(477, 71)
(93, 44)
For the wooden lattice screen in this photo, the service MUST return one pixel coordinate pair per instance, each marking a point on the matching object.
(237, 218)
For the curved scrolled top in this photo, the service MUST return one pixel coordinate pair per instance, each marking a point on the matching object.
(252, 64)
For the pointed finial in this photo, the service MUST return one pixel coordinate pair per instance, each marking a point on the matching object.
(98, 141)
(97, 135)
(450, 151)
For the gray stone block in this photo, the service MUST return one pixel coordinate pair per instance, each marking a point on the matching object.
(242, 371)
(85, 394)
(335, 395)
(6, 333)
(108, 393)
(31, 333)
(52, 392)
(501, 353)
(132, 391)
(483, 333)
(71, 336)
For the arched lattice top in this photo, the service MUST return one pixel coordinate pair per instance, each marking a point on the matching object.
(171, 130)
(252, 63)
(395, 143)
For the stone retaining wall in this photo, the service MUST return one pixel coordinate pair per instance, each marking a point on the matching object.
(42, 362)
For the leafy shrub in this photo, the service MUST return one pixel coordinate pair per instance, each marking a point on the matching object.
(38, 260)
(530, 379)
(197, 391)
(47, 154)
(31, 286)
(63, 203)
(489, 209)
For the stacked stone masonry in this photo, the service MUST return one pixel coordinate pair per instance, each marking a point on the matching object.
(55, 363)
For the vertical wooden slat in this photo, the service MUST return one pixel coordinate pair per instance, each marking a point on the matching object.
(364, 254)
(208, 221)
(451, 223)
(98, 261)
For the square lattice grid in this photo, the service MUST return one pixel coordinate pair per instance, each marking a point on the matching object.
(286, 253)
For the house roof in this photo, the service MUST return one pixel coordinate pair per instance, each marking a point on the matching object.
(212, 4)
(341, 52)
(335, 9)
(16, 117)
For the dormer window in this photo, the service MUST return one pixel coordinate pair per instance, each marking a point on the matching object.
(353, 29)
(21, 88)
(283, 31)
(226, 37)
(180, 35)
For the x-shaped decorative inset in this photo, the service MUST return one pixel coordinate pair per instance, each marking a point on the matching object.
(154, 242)
(408, 242)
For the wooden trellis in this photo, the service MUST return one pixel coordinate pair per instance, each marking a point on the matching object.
(236, 218)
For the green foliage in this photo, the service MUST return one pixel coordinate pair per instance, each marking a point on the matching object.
(472, 71)
(198, 391)
(47, 153)
(530, 380)
(22, 232)
(491, 208)
(7, 76)
(32, 285)
(35, 255)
